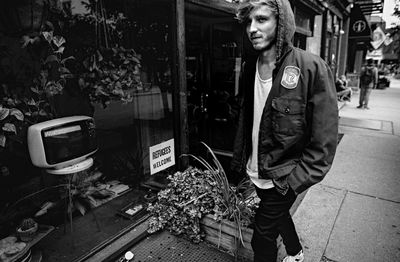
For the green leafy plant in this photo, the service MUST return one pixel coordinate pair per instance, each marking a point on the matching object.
(194, 193)
(22, 107)
(109, 71)
(189, 196)
(111, 74)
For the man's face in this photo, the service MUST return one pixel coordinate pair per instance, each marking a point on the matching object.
(261, 28)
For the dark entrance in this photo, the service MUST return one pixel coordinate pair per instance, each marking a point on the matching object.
(213, 59)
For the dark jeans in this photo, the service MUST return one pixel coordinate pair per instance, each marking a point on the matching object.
(364, 95)
(273, 218)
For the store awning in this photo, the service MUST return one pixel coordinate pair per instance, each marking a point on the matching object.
(359, 27)
(369, 7)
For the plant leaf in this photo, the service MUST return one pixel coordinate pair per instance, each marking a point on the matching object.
(48, 35)
(4, 112)
(51, 58)
(3, 140)
(80, 207)
(31, 102)
(58, 40)
(8, 127)
(67, 76)
(34, 90)
(17, 113)
(136, 60)
(26, 40)
(60, 50)
(99, 56)
(64, 70)
(42, 112)
(66, 59)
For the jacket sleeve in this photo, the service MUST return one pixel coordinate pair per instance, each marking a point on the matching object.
(318, 154)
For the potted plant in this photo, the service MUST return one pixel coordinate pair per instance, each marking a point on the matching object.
(26, 231)
(201, 204)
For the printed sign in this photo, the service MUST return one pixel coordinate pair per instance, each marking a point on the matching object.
(359, 26)
(162, 156)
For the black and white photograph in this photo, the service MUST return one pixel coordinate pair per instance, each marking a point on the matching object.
(199, 130)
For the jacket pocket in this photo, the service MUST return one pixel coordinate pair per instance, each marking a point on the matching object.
(287, 117)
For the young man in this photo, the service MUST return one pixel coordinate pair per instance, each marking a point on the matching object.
(368, 81)
(288, 125)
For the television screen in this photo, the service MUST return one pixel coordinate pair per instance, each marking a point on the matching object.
(66, 142)
(61, 142)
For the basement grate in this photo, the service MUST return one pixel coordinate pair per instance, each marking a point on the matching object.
(164, 247)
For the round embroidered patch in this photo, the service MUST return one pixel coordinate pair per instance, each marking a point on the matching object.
(290, 77)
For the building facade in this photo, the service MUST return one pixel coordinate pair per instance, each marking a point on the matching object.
(186, 58)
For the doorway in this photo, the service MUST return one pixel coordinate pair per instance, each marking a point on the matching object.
(213, 62)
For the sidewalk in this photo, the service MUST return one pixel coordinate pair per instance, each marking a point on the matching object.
(354, 213)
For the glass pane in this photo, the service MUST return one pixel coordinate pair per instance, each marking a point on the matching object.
(213, 61)
(213, 66)
(223, 107)
(112, 60)
(303, 20)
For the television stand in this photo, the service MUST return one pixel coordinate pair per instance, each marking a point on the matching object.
(69, 171)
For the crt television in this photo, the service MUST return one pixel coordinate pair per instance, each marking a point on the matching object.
(62, 142)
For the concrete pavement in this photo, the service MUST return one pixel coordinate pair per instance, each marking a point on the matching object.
(354, 213)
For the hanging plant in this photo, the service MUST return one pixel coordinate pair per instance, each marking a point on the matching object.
(111, 74)
(110, 71)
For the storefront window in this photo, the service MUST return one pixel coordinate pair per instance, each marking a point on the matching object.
(332, 40)
(304, 21)
(115, 62)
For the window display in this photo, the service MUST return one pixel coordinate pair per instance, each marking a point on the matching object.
(107, 62)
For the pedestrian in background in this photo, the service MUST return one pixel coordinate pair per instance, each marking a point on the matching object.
(368, 81)
(287, 131)
(343, 91)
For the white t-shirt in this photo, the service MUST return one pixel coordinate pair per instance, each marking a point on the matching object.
(261, 91)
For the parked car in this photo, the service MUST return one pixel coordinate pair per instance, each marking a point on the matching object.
(383, 80)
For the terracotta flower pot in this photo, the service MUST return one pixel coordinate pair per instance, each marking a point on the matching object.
(28, 234)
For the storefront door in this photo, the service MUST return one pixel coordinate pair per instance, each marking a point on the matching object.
(213, 66)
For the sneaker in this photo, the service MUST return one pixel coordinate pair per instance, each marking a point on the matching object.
(297, 258)
(359, 106)
(366, 107)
